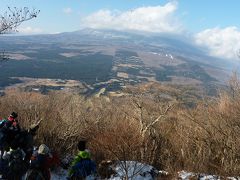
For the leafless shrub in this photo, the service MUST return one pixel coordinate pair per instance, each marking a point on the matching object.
(211, 134)
(138, 128)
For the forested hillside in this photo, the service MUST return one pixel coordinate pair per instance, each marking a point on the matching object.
(139, 126)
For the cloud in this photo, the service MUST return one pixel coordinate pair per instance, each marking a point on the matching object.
(224, 43)
(67, 10)
(29, 30)
(150, 19)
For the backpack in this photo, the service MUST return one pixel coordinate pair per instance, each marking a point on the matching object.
(2, 122)
(2, 131)
(19, 140)
(4, 139)
(84, 168)
(16, 163)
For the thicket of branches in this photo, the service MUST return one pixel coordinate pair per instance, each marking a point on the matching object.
(140, 127)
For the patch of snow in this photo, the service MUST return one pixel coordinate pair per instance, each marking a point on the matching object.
(134, 170)
(185, 175)
(169, 55)
(59, 174)
(35, 89)
(208, 177)
(138, 171)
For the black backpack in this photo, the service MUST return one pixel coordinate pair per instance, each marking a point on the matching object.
(4, 138)
(16, 163)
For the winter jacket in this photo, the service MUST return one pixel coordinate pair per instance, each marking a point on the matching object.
(16, 165)
(7, 134)
(10, 128)
(42, 162)
(82, 165)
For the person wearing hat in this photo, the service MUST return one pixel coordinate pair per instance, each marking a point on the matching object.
(25, 141)
(82, 165)
(9, 129)
(42, 161)
(12, 122)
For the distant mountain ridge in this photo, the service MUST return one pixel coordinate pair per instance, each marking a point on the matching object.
(115, 58)
(168, 42)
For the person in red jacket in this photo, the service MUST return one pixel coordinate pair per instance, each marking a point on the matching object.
(41, 163)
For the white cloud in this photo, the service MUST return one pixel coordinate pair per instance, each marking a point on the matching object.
(151, 19)
(224, 43)
(67, 10)
(29, 30)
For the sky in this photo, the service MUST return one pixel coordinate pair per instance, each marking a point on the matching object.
(212, 24)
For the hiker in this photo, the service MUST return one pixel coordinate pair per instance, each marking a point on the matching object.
(25, 140)
(11, 122)
(82, 166)
(40, 164)
(16, 166)
(8, 130)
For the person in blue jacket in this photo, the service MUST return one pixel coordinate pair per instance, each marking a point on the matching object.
(82, 165)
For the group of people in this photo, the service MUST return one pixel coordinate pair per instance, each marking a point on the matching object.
(20, 160)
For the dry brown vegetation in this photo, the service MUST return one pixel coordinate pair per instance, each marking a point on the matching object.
(140, 127)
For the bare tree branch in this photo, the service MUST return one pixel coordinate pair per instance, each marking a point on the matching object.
(12, 18)
(162, 115)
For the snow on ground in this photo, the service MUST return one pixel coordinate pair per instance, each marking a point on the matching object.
(187, 175)
(138, 171)
(183, 175)
(59, 174)
(134, 170)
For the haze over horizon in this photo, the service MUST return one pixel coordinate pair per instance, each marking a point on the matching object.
(213, 24)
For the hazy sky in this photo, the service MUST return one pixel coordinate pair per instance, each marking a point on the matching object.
(210, 23)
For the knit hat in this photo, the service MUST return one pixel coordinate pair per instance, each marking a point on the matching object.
(82, 145)
(43, 149)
